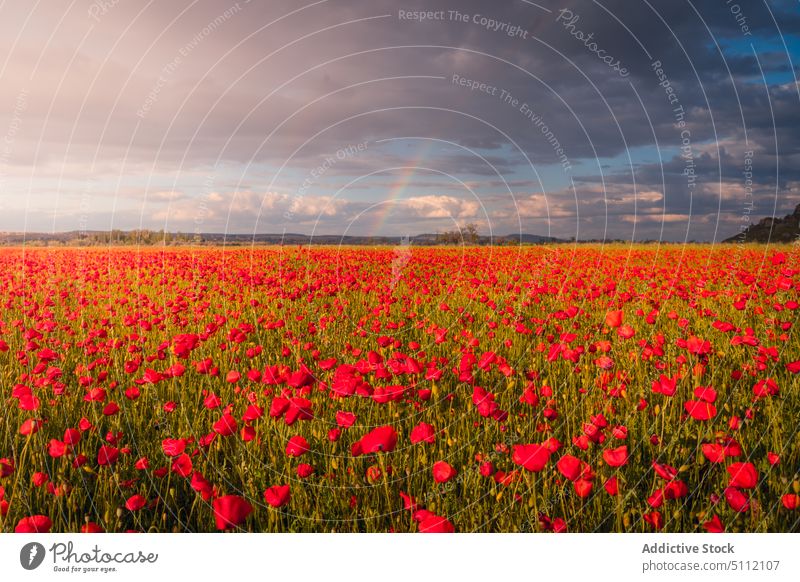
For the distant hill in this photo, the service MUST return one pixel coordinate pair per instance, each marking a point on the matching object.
(771, 229)
(145, 237)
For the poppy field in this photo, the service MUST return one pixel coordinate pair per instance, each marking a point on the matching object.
(564, 388)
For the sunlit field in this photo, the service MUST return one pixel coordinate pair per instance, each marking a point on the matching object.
(537, 389)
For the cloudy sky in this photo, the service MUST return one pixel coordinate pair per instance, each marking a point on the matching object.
(647, 119)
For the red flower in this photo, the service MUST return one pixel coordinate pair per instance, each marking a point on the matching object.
(111, 409)
(34, 524)
(743, 475)
(569, 466)
(135, 503)
(616, 457)
(72, 436)
(107, 455)
(173, 447)
(212, 401)
(675, 490)
(226, 426)
(231, 511)
(409, 503)
(345, 419)
(304, 470)
(297, 446)
(714, 525)
(790, 501)
(666, 472)
(443, 472)
(700, 410)
(737, 500)
(583, 487)
(56, 448)
(277, 495)
(423, 433)
(435, 524)
(713, 452)
(697, 346)
(705, 393)
(381, 439)
(655, 519)
(666, 386)
(614, 318)
(6, 467)
(29, 426)
(532, 457)
(182, 465)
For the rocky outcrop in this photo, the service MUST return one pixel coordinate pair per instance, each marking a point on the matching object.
(771, 229)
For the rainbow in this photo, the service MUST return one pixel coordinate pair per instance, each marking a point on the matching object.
(407, 174)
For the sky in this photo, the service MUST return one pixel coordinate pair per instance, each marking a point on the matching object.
(668, 120)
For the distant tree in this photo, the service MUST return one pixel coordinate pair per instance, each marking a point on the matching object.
(470, 233)
(467, 235)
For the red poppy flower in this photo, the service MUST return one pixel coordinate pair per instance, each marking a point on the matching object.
(173, 447)
(34, 524)
(381, 439)
(29, 426)
(532, 457)
(182, 465)
(423, 433)
(435, 524)
(111, 409)
(345, 419)
(614, 318)
(277, 495)
(743, 475)
(697, 346)
(715, 453)
(72, 436)
(252, 413)
(700, 410)
(616, 457)
(443, 472)
(226, 426)
(297, 446)
(791, 501)
(56, 448)
(583, 487)
(675, 490)
(666, 472)
(212, 401)
(656, 499)
(655, 519)
(714, 525)
(737, 500)
(135, 503)
(231, 511)
(665, 385)
(569, 466)
(305, 470)
(107, 455)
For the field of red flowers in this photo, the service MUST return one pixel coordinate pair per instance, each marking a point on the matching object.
(541, 389)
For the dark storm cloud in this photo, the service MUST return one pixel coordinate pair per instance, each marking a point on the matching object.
(148, 96)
